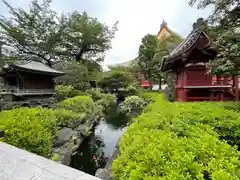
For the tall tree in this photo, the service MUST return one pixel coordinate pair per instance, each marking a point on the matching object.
(225, 20)
(146, 53)
(42, 34)
(85, 37)
(34, 33)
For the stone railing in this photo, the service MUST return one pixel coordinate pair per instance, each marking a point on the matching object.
(16, 163)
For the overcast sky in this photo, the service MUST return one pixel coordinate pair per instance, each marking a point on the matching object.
(136, 19)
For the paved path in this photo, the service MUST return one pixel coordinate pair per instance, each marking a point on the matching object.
(17, 164)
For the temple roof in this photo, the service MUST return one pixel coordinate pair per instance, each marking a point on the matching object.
(186, 44)
(183, 47)
(165, 31)
(37, 67)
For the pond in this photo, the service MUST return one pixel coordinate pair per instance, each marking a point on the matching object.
(98, 148)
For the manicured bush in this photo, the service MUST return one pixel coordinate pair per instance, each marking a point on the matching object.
(107, 100)
(95, 94)
(64, 91)
(132, 104)
(79, 104)
(67, 118)
(103, 101)
(180, 141)
(31, 129)
(132, 91)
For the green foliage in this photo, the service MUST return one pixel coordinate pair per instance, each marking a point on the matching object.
(180, 141)
(224, 22)
(147, 51)
(76, 75)
(106, 101)
(95, 95)
(87, 37)
(116, 80)
(35, 33)
(67, 118)
(132, 104)
(56, 157)
(170, 90)
(79, 104)
(63, 92)
(31, 129)
(43, 34)
(131, 91)
(102, 101)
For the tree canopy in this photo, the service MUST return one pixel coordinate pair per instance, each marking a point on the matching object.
(151, 53)
(44, 35)
(225, 23)
(146, 53)
(116, 79)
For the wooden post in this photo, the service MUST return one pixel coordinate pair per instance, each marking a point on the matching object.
(212, 95)
(236, 88)
(221, 95)
(184, 84)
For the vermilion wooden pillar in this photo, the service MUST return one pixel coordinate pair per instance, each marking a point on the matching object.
(185, 84)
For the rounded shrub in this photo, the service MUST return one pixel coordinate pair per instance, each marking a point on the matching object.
(131, 91)
(31, 129)
(95, 94)
(64, 91)
(79, 104)
(67, 118)
(132, 104)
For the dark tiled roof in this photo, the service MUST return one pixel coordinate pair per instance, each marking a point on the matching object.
(183, 47)
(37, 67)
(186, 44)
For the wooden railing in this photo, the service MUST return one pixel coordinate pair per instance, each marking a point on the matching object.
(28, 91)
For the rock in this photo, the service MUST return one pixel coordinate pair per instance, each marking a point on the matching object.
(65, 157)
(104, 174)
(66, 150)
(81, 129)
(63, 136)
(7, 106)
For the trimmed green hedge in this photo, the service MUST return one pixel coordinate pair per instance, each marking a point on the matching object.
(63, 92)
(29, 128)
(33, 129)
(180, 141)
(79, 104)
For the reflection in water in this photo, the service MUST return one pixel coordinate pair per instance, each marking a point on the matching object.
(95, 151)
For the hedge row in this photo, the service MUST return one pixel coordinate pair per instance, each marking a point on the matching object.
(33, 129)
(181, 141)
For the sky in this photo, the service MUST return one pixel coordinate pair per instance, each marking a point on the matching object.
(136, 19)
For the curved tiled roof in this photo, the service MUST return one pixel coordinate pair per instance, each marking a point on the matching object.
(37, 67)
(182, 48)
(186, 44)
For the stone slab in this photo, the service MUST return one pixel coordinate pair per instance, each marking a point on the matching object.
(17, 164)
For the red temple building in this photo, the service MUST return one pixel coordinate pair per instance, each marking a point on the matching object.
(192, 81)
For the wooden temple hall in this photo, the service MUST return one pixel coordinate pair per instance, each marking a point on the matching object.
(187, 62)
(25, 80)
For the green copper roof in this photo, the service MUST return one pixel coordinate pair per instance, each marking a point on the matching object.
(36, 66)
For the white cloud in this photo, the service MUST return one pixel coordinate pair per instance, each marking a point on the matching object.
(137, 18)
